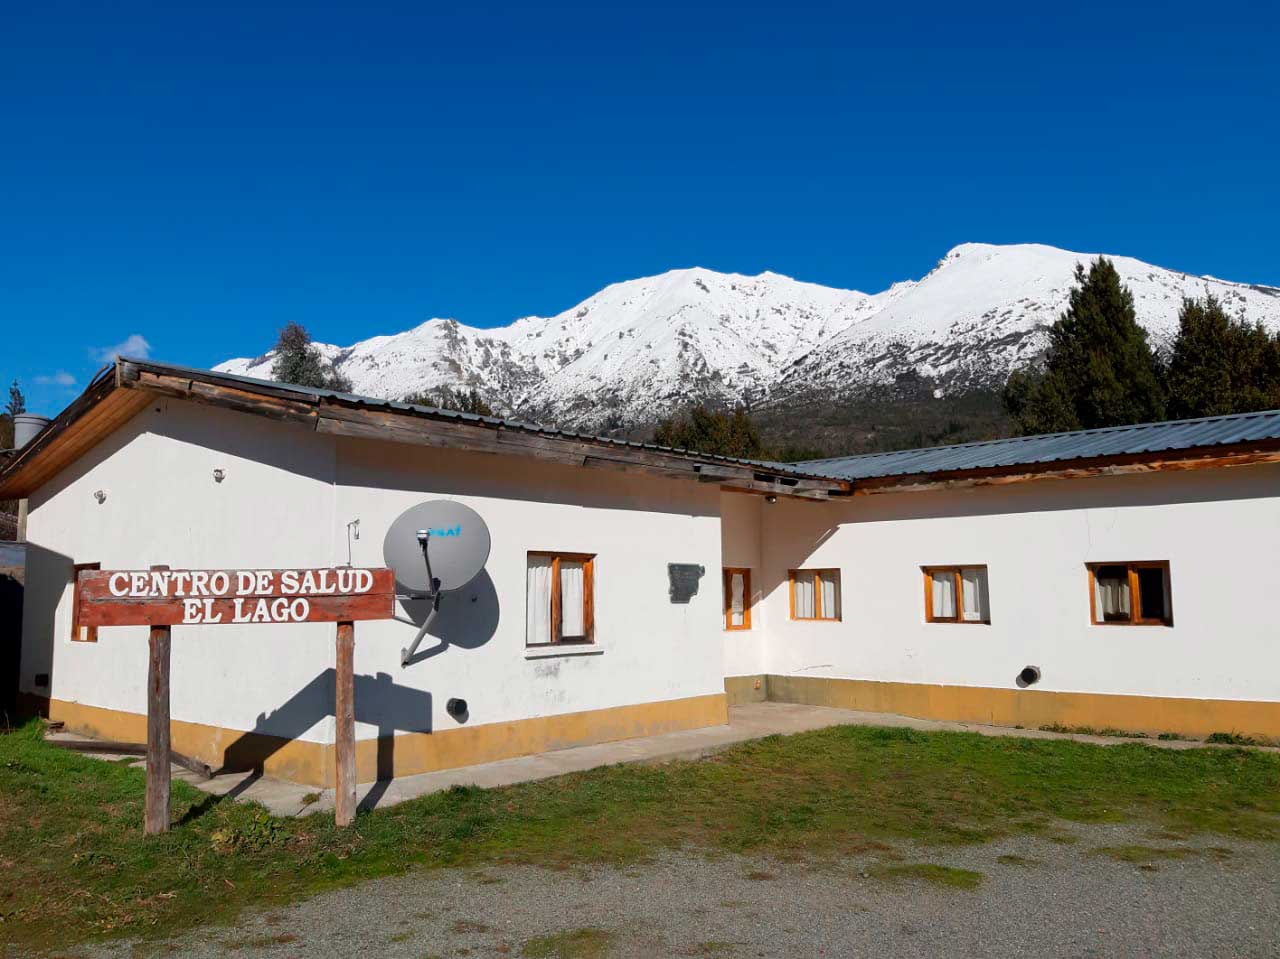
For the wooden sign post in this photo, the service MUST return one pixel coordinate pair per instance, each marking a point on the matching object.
(161, 598)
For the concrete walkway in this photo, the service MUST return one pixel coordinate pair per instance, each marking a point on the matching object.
(748, 721)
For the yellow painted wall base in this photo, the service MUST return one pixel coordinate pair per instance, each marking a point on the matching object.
(746, 689)
(223, 749)
(410, 753)
(1032, 708)
(403, 755)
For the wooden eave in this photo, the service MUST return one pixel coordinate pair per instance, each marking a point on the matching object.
(93, 415)
(117, 395)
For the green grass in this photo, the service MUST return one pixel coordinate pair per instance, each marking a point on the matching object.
(76, 866)
(1238, 739)
(1091, 731)
(929, 872)
(572, 944)
(1142, 854)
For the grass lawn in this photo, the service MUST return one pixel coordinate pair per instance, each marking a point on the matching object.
(75, 865)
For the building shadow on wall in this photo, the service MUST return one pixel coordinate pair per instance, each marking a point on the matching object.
(10, 642)
(30, 627)
(379, 701)
(467, 619)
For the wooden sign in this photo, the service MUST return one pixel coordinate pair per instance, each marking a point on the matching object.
(202, 597)
(160, 597)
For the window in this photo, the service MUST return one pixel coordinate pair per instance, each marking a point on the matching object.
(737, 598)
(1130, 594)
(80, 634)
(956, 594)
(560, 599)
(815, 594)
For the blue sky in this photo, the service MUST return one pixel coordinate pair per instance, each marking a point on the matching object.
(194, 179)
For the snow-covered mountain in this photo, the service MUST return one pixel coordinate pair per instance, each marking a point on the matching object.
(638, 350)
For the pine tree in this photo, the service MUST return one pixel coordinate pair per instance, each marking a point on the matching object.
(1099, 369)
(17, 404)
(445, 398)
(703, 430)
(1218, 366)
(300, 363)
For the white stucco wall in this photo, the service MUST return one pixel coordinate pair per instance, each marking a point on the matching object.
(286, 499)
(288, 495)
(1217, 528)
(650, 649)
(274, 508)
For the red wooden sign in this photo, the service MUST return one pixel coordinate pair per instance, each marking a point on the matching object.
(195, 597)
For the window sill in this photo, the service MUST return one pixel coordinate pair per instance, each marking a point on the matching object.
(542, 652)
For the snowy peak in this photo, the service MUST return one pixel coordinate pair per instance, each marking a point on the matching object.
(638, 349)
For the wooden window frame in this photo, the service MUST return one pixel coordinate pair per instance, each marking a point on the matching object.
(90, 632)
(588, 561)
(958, 572)
(746, 598)
(817, 594)
(1135, 593)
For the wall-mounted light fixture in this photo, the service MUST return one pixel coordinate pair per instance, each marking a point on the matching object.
(219, 475)
(353, 532)
(771, 498)
(100, 495)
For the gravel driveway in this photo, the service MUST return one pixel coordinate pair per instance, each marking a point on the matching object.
(1034, 897)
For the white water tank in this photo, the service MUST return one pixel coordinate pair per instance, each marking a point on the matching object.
(26, 427)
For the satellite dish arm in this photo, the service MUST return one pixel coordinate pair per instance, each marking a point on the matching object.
(407, 654)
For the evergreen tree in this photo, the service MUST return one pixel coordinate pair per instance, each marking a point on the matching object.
(1099, 369)
(17, 404)
(300, 363)
(1219, 366)
(703, 430)
(445, 398)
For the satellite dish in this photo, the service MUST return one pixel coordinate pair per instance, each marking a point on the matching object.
(440, 540)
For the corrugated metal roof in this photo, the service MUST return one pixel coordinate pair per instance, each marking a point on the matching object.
(373, 402)
(1208, 431)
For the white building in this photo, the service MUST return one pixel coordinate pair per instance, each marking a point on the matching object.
(1113, 578)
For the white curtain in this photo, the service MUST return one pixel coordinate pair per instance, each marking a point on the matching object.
(572, 607)
(973, 587)
(944, 595)
(1113, 593)
(803, 597)
(737, 598)
(537, 630)
(830, 583)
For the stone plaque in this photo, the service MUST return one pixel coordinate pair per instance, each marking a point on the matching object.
(684, 579)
